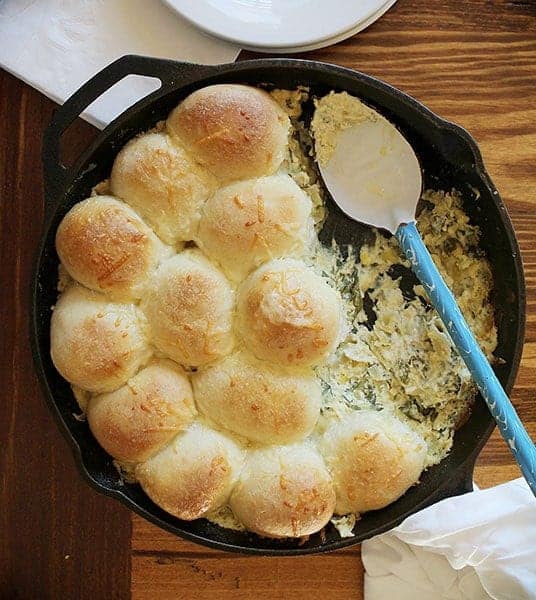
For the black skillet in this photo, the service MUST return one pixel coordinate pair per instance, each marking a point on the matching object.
(450, 158)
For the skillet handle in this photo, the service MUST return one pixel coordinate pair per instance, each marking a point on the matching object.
(462, 482)
(168, 71)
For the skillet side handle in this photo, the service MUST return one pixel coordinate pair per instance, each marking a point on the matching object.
(168, 71)
(457, 485)
(463, 482)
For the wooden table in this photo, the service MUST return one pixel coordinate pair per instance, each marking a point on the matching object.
(473, 62)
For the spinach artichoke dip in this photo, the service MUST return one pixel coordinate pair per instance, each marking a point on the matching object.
(230, 363)
(404, 361)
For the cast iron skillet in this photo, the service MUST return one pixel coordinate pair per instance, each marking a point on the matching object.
(450, 158)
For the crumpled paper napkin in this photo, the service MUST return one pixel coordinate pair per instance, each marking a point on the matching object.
(478, 545)
(57, 45)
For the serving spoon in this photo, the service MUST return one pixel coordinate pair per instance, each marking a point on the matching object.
(375, 178)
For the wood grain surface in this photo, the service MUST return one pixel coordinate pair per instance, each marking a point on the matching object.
(473, 62)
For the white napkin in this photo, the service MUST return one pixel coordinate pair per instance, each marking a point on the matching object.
(479, 545)
(57, 45)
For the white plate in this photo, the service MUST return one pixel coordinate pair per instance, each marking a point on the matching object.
(280, 25)
(329, 42)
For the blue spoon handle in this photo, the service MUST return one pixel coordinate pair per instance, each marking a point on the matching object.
(498, 403)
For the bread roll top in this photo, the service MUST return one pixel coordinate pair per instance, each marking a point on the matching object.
(373, 459)
(194, 474)
(235, 131)
(189, 308)
(103, 244)
(284, 491)
(135, 421)
(96, 344)
(159, 180)
(288, 314)
(259, 401)
(250, 222)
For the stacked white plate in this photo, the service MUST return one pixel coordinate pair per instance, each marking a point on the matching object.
(281, 26)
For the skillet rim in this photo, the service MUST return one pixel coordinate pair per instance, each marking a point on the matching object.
(197, 75)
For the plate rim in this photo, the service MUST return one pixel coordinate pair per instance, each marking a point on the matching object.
(327, 42)
(251, 44)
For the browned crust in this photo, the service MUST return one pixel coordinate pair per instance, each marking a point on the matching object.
(281, 495)
(258, 401)
(162, 184)
(289, 315)
(138, 419)
(189, 310)
(249, 222)
(104, 246)
(373, 461)
(95, 345)
(193, 475)
(235, 131)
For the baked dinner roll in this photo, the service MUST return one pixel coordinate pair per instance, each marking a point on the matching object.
(162, 184)
(373, 458)
(105, 245)
(258, 400)
(189, 308)
(250, 222)
(96, 344)
(235, 131)
(284, 491)
(138, 419)
(194, 474)
(289, 315)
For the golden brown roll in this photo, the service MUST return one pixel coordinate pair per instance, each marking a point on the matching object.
(250, 222)
(258, 400)
(189, 308)
(105, 245)
(139, 418)
(162, 184)
(235, 131)
(194, 474)
(284, 491)
(96, 344)
(289, 315)
(373, 458)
